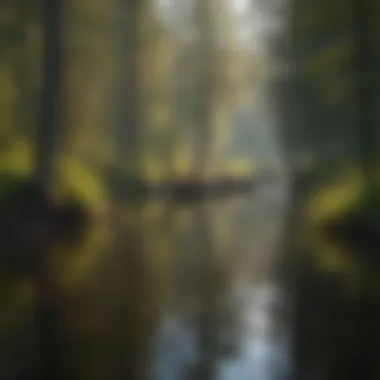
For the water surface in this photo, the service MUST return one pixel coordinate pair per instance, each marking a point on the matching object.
(168, 291)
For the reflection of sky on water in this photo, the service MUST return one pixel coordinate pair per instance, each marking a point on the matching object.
(174, 350)
(251, 309)
(262, 348)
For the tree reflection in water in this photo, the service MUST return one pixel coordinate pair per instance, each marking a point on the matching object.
(236, 328)
(168, 292)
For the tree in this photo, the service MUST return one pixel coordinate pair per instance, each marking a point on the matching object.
(48, 131)
(366, 99)
(221, 70)
(132, 22)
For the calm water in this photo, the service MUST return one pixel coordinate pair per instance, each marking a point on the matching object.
(165, 292)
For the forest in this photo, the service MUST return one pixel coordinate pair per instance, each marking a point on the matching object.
(103, 100)
(151, 102)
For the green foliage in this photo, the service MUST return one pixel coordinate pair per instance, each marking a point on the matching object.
(334, 199)
(9, 182)
(367, 205)
(77, 178)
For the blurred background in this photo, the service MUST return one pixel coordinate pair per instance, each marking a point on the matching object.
(189, 190)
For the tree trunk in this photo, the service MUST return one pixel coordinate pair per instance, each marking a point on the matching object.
(47, 309)
(206, 83)
(47, 134)
(24, 110)
(365, 95)
(129, 98)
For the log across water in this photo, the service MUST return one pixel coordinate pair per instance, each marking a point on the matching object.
(187, 189)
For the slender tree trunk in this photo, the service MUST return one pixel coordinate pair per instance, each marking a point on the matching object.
(365, 95)
(129, 122)
(47, 309)
(178, 105)
(206, 84)
(47, 134)
(24, 114)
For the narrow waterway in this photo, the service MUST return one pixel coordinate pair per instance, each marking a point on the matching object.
(166, 292)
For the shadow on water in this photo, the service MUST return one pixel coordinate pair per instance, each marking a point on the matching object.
(337, 311)
(160, 291)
